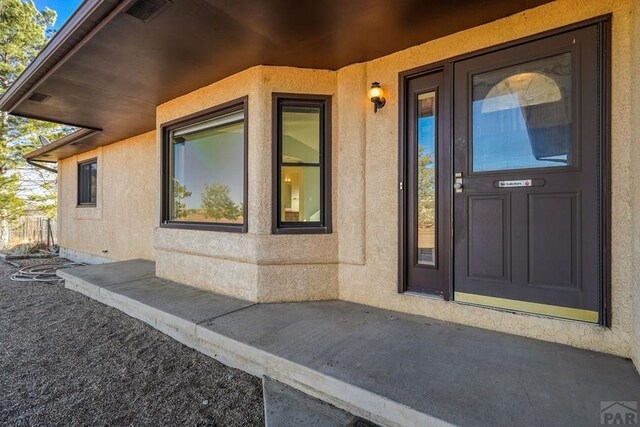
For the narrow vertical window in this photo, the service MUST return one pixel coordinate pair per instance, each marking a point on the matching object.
(426, 174)
(301, 164)
(205, 171)
(87, 182)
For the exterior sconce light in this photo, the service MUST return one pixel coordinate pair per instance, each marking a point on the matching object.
(376, 95)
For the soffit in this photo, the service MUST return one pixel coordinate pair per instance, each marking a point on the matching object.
(115, 77)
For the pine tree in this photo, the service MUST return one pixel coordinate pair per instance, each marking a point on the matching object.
(180, 193)
(24, 30)
(217, 203)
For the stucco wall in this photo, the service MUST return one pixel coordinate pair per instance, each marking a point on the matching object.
(635, 176)
(121, 224)
(257, 265)
(358, 261)
(368, 263)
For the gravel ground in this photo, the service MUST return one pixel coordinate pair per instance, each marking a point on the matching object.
(68, 360)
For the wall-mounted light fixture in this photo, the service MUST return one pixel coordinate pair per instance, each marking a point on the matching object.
(376, 95)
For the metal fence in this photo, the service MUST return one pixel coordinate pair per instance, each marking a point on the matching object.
(28, 229)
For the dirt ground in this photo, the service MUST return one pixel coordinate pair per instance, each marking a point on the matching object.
(68, 360)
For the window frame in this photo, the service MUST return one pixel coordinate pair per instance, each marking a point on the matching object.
(80, 182)
(166, 166)
(279, 100)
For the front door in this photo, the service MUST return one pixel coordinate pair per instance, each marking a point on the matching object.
(503, 177)
(526, 163)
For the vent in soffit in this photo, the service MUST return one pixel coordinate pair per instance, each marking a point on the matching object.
(146, 10)
(38, 97)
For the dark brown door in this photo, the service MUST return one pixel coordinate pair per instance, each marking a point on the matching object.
(527, 156)
(427, 185)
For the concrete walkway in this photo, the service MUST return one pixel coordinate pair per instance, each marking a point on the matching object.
(390, 368)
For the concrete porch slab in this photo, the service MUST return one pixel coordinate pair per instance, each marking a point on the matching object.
(112, 273)
(185, 302)
(463, 375)
(390, 368)
(132, 287)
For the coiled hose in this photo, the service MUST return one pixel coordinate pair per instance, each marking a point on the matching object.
(45, 273)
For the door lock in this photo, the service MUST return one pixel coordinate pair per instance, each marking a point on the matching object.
(457, 185)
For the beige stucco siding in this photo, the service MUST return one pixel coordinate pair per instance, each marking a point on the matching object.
(368, 264)
(121, 224)
(257, 265)
(635, 182)
(365, 183)
(358, 261)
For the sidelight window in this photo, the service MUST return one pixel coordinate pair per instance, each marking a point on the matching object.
(427, 179)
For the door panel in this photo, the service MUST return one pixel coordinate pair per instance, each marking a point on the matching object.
(425, 169)
(526, 142)
(489, 231)
(553, 229)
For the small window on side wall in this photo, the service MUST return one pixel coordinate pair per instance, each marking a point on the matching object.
(205, 170)
(302, 164)
(87, 182)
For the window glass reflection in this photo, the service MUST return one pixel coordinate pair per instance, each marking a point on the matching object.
(300, 134)
(426, 174)
(88, 183)
(522, 116)
(93, 187)
(208, 171)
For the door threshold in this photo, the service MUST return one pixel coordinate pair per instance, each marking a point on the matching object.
(528, 307)
(423, 295)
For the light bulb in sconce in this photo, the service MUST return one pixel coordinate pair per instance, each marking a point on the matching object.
(376, 94)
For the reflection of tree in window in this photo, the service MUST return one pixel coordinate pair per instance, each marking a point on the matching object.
(426, 178)
(180, 193)
(426, 189)
(217, 203)
(208, 171)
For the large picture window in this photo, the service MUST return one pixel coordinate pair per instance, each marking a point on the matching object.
(87, 182)
(205, 170)
(302, 153)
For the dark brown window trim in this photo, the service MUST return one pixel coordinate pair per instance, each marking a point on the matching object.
(605, 167)
(324, 226)
(604, 23)
(80, 204)
(165, 129)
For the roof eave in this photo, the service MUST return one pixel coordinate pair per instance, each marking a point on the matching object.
(72, 138)
(58, 49)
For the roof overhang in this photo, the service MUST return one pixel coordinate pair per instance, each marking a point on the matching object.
(107, 71)
(66, 146)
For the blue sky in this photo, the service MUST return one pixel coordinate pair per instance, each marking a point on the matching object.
(64, 8)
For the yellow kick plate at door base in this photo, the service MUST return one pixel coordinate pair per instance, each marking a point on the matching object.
(528, 307)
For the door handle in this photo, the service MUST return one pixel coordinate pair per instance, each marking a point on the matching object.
(457, 185)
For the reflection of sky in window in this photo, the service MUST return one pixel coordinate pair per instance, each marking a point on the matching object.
(427, 135)
(501, 139)
(213, 158)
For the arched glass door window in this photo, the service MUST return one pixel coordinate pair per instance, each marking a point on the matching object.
(522, 116)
